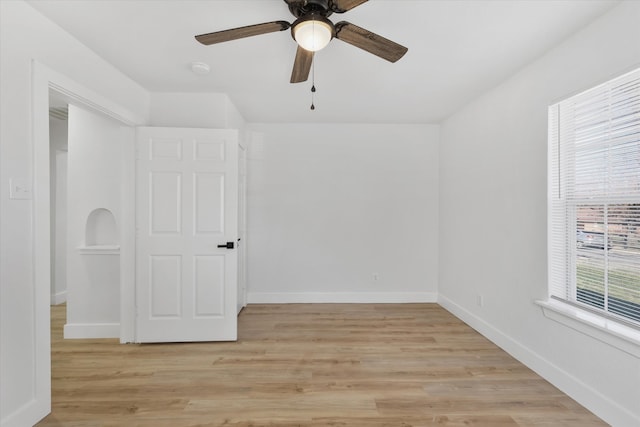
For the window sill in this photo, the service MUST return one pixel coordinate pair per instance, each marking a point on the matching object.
(609, 331)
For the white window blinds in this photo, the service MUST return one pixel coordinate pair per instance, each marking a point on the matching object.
(594, 198)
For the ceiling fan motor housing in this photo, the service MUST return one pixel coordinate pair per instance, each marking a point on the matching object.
(304, 7)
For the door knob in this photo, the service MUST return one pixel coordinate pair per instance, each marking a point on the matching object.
(228, 245)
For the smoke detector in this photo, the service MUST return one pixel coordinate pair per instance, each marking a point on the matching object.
(200, 68)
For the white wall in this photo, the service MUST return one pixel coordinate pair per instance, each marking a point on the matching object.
(58, 163)
(194, 110)
(27, 35)
(493, 209)
(331, 205)
(93, 262)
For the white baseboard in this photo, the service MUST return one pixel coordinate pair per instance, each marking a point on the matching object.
(588, 397)
(91, 330)
(59, 298)
(340, 297)
(28, 415)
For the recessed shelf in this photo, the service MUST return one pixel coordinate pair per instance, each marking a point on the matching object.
(99, 250)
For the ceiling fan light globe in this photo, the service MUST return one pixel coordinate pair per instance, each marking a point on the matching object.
(313, 35)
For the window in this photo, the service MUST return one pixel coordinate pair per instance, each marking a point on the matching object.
(594, 199)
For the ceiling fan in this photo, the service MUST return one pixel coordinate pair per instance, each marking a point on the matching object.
(313, 30)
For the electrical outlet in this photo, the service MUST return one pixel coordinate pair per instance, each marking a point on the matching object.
(480, 300)
(375, 277)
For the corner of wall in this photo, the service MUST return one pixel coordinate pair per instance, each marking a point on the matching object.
(234, 119)
(587, 396)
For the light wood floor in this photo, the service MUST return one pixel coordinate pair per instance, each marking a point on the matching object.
(363, 365)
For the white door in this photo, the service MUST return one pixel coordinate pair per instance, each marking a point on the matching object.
(187, 231)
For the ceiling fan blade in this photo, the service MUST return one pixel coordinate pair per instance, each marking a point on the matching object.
(301, 65)
(242, 32)
(371, 42)
(341, 6)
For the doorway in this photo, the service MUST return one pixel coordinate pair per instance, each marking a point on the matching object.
(48, 82)
(87, 156)
(58, 139)
(44, 81)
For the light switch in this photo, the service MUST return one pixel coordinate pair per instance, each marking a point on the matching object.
(19, 189)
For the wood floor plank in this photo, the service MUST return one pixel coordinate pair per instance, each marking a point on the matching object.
(369, 365)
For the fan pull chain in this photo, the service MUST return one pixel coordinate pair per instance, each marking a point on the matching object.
(313, 83)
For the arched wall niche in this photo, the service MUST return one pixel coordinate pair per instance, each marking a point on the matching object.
(101, 229)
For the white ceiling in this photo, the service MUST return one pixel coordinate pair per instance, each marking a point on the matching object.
(457, 50)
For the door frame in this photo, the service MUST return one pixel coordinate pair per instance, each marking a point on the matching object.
(45, 79)
(242, 224)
